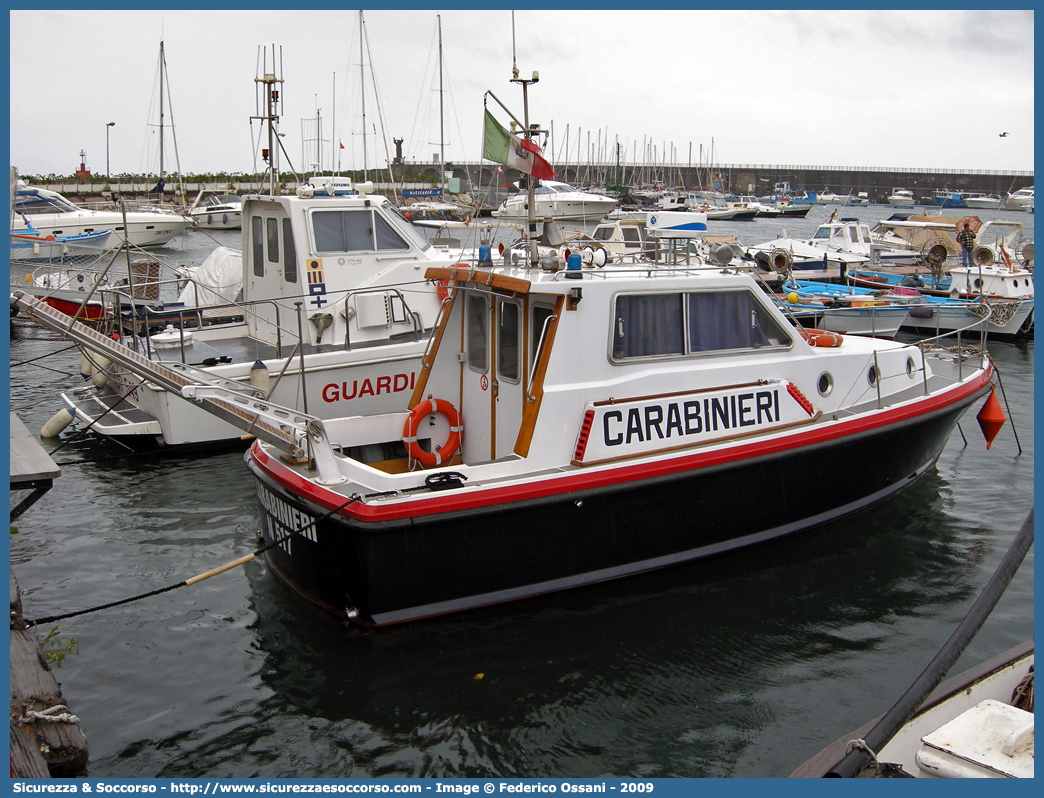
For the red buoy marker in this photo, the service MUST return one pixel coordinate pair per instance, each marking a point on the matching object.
(991, 418)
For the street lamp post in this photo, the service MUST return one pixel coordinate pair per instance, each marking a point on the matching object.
(107, 126)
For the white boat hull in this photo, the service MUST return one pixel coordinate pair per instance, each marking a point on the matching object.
(217, 220)
(145, 228)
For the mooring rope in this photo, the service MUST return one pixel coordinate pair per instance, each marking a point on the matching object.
(59, 713)
(199, 577)
(41, 357)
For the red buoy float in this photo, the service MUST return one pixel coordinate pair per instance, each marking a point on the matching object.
(991, 418)
(442, 454)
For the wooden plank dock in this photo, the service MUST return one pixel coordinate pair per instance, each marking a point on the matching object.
(32, 468)
(46, 739)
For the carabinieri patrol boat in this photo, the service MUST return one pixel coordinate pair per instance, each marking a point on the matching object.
(572, 425)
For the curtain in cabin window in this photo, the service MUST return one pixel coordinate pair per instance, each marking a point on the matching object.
(343, 231)
(648, 325)
(723, 320)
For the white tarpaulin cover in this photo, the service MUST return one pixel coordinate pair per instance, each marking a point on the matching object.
(218, 279)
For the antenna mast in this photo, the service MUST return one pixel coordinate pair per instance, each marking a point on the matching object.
(267, 90)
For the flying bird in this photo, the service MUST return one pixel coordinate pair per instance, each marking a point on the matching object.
(1005, 133)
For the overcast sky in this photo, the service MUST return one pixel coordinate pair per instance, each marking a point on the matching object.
(917, 89)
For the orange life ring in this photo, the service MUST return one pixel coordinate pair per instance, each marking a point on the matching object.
(705, 207)
(442, 454)
(826, 338)
(442, 286)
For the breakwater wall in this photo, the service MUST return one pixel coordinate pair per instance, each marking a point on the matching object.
(759, 179)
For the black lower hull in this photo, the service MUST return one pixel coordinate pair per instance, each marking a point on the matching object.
(388, 572)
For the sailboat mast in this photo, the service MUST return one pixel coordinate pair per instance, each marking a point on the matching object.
(333, 131)
(163, 67)
(442, 137)
(362, 87)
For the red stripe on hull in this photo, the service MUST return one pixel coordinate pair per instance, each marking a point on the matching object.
(455, 502)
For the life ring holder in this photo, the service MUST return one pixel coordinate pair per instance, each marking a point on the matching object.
(442, 454)
(824, 338)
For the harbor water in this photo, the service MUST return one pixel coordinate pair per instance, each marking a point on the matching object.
(739, 666)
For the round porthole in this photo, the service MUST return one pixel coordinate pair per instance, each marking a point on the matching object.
(978, 283)
(911, 367)
(1015, 283)
(871, 375)
(825, 384)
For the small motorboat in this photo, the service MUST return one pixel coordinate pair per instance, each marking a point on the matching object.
(984, 201)
(556, 200)
(216, 211)
(902, 198)
(51, 214)
(31, 247)
(1021, 200)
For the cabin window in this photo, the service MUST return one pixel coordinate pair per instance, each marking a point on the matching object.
(602, 233)
(477, 321)
(406, 229)
(508, 334)
(657, 325)
(272, 228)
(648, 325)
(387, 238)
(343, 231)
(257, 243)
(726, 320)
(822, 232)
(289, 253)
(34, 203)
(540, 315)
(630, 234)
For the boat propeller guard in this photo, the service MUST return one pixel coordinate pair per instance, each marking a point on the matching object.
(442, 454)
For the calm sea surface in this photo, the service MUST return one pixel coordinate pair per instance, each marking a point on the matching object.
(742, 666)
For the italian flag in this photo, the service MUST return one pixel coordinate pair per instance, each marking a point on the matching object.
(500, 146)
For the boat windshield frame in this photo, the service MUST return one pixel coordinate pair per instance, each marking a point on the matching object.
(35, 202)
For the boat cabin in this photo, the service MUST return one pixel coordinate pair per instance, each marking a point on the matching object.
(337, 258)
(29, 201)
(848, 235)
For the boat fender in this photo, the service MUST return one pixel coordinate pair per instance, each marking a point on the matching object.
(442, 454)
(93, 366)
(259, 377)
(86, 366)
(824, 338)
(59, 421)
(922, 312)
